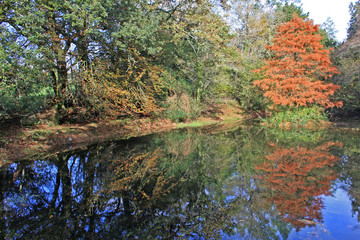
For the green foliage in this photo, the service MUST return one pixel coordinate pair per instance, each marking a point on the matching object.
(328, 32)
(350, 95)
(194, 124)
(287, 11)
(197, 48)
(24, 87)
(47, 39)
(33, 99)
(19, 98)
(354, 23)
(296, 137)
(248, 95)
(298, 117)
(347, 60)
(100, 58)
(179, 108)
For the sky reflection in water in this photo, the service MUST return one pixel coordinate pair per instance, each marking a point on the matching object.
(225, 183)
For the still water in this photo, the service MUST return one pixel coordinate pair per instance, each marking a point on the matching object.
(212, 183)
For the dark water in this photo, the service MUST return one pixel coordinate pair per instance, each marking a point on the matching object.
(239, 183)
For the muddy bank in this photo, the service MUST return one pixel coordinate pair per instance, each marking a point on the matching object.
(43, 140)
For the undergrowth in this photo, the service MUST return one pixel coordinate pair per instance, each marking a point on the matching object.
(181, 108)
(298, 117)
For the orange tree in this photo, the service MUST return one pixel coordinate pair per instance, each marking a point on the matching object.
(299, 63)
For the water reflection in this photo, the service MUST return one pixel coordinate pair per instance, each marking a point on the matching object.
(189, 184)
(297, 179)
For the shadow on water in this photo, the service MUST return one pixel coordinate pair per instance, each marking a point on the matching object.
(247, 182)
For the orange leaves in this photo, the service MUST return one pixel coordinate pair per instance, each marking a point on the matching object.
(297, 177)
(293, 75)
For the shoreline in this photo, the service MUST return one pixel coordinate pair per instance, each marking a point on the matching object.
(44, 140)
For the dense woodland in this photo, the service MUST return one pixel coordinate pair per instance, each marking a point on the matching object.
(90, 60)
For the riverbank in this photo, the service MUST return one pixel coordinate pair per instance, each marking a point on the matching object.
(47, 139)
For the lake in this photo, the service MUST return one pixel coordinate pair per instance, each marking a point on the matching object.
(239, 182)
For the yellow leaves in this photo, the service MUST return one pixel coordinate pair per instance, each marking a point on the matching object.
(124, 91)
(139, 175)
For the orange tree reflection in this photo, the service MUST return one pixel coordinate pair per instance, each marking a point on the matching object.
(296, 178)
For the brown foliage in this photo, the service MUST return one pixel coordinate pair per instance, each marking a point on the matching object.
(293, 75)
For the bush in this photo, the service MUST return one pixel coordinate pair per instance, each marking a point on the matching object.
(179, 108)
(298, 117)
(23, 105)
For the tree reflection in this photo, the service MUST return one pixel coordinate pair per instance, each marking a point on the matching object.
(296, 178)
(178, 185)
(350, 172)
(115, 190)
(351, 181)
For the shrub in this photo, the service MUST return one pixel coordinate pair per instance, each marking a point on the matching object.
(15, 105)
(298, 117)
(179, 108)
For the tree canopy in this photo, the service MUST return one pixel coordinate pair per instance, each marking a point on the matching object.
(294, 74)
(95, 59)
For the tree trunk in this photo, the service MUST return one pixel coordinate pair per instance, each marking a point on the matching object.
(60, 91)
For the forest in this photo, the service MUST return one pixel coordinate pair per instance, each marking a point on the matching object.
(95, 60)
(177, 119)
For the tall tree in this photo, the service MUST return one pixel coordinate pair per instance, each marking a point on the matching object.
(354, 23)
(70, 41)
(55, 31)
(199, 39)
(328, 32)
(124, 78)
(253, 23)
(347, 60)
(293, 76)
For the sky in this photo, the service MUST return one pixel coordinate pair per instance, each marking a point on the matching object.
(337, 10)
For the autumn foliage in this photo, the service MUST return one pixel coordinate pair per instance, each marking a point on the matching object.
(297, 178)
(138, 177)
(293, 76)
(128, 91)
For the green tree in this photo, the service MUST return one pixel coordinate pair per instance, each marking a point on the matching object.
(346, 58)
(354, 22)
(328, 32)
(124, 77)
(55, 31)
(24, 87)
(70, 41)
(199, 38)
(288, 9)
(253, 24)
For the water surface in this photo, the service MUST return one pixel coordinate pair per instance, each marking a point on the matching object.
(222, 183)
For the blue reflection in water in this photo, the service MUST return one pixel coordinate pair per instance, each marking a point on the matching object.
(338, 220)
(134, 193)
